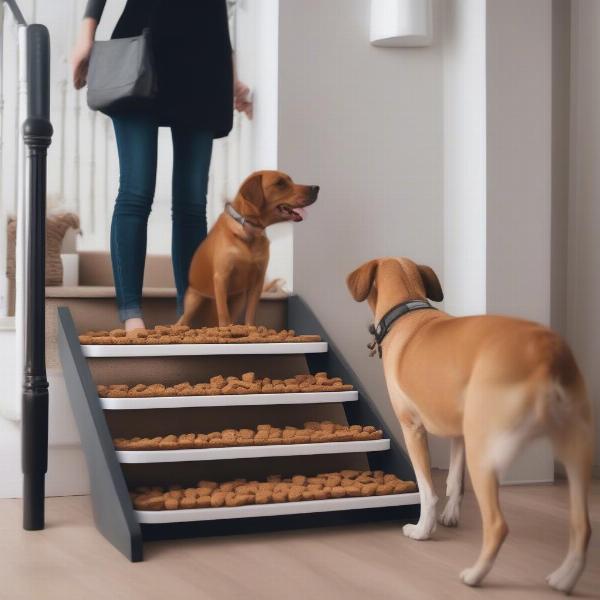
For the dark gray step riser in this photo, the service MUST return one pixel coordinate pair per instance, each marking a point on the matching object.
(195, 369)
(151, 423)
(101, 313)
(188, 473)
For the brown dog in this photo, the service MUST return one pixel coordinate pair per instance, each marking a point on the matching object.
(491, 384)
(228, 269)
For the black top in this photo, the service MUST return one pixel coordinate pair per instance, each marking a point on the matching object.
(192, 53)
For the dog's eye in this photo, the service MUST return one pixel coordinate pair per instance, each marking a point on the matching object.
(280, 183)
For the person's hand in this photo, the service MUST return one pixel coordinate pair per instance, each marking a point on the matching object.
(241, 98)
(80, 58)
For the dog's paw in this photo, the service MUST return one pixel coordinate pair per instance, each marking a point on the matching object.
(471, 576)
(566, 576)
(450, 514)
(420, 531)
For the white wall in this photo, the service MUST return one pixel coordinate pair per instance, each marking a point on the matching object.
(583, 299)
(366, 124)
(441, 155)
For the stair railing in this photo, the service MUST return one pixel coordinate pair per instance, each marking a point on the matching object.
(37, 135)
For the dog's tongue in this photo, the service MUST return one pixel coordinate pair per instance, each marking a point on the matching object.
(300, 212)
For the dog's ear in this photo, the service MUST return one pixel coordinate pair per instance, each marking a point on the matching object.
(252, 195)
(360, 282)
(433, 287)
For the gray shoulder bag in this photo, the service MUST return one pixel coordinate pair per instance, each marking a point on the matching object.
(121, 74)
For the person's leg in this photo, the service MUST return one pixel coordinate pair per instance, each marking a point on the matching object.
(137, 137)
(192, 151)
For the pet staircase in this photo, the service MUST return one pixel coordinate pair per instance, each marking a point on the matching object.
(113, 473)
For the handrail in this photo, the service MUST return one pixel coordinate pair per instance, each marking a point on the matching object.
(16, 11)
(37, 136)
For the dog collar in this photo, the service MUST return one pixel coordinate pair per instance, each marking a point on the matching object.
(238, 218)
(382, 328)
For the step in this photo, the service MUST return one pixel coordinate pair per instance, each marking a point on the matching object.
(137, 350)
(272, 510)
(235, 452)
(228, 400)
(115, 514)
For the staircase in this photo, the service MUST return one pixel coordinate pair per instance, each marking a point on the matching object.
(114, 473)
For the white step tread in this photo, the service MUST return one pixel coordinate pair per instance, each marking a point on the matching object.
(200, 454)
(227, 400)
(133, 350)
(273, 510)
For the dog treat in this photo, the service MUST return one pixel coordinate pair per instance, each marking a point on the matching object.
(182, 334)
(297, 488)
(248, 383)
(265, 435)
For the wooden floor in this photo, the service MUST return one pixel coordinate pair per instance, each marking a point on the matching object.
(71, 561)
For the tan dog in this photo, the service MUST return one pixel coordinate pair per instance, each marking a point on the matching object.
(228, 270)
(489, 383)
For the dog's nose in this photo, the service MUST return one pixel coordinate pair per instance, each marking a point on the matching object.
(314, 191)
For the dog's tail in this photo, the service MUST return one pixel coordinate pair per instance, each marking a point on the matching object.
(561, 395)
(554, 404)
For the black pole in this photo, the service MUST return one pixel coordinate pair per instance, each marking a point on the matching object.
(37, 134)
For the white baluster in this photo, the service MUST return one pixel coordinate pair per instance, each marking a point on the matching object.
(233, 157)
(76, 155)
(76, 119)
(3, 215)
(221, 195)
(107, 187)
(246, 137)
(22, 258)
(210, 191)
(62, 107)
(215, 183)
(223, 172)
(90, 198)
(10, 135)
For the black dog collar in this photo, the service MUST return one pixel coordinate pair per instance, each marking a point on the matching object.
(391, 316)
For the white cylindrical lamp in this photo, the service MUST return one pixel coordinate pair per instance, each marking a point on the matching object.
(401, 23)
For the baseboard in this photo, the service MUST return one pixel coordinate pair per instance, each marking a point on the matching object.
(67, 474)
(535, 464)
(527, 482)
(11, 479)
(560, 473)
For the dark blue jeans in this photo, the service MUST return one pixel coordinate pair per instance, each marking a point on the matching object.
(137, 141)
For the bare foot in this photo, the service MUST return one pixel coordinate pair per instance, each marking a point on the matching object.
(135, 323)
